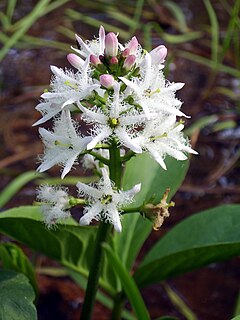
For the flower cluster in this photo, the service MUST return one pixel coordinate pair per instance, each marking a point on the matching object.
(119, 91)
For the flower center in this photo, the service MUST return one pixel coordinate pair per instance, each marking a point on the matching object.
(106, 199)
(114, 122)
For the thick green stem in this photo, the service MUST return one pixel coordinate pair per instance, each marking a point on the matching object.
(95, 271)
(115, 168)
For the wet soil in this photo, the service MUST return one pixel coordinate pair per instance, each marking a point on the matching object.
(213, 176)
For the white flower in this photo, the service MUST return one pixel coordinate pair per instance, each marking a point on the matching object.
(54, 203)
(162, 137)
(105, 202)
(67, 88)
(93, 47)
(152, 92)
(62, 146)
(116, 121)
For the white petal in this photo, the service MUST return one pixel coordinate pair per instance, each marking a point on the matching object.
(106, 181)
(148, 74)
(83, 45)
(127, 141)
(96, 116)
(156, 156)
(131, 85)
(114, 216)
(114, 110)
(89, 191)
(60, 73)
(127, 120)
(68, 165)
(104, 133)
(91, 213)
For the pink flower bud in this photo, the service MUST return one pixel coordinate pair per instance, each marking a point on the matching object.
(133, 45)
(158, 54)
(75, 60)
(94, 60)
(106, 80)
(111, 45)
(129, 62)
(126, 52)
(114, 60)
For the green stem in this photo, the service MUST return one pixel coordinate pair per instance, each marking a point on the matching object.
(116, 176)
(115, 165)
(95, 271)
(99, 157)
(118, 306)
(115, 168)
(128, 156)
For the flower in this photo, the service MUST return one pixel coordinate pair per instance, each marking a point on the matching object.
(162, 137)
(54, 203)
(105, 201)
(95, 47)
(117, 121)
(152, 92)
(67, 89)
(62, 146)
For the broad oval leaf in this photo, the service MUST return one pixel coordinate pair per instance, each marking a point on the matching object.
(210, 236)
(143, 169)
(69, 243)
(16, 297)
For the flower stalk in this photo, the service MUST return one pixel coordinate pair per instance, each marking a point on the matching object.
(115, 168)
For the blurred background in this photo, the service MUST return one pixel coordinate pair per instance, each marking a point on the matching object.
(203, 41)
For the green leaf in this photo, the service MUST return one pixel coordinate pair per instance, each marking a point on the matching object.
(128, 284)
(14, 186)
(70, 244)
(143, 169)
(210, 236)
(16, 297)
(236, 318)
(13, 258)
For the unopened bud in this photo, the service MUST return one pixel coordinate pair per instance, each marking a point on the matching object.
(75, 60)
(114, 60)
(126, 52)
(106, 80)
(158, 54)
(129, 62)
(111, 45)
(133, 45)
(94, 60)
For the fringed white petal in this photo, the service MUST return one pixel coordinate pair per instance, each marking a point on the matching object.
(91, 213)
(114, 216)
(125, 139)
(156, 156)
(89, 191)
(103, 134)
